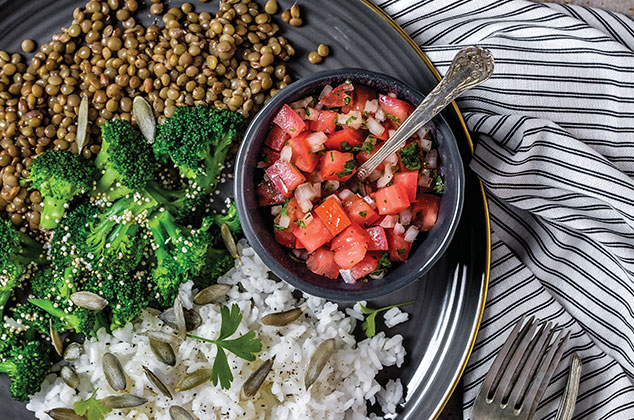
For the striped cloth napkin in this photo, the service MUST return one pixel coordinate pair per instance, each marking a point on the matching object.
(555, 150)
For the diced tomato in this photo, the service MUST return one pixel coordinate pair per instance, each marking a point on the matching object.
(333, 166)
(392, 199)
(313, 234)
(285, 237)
(289, 121)
(268, 195)
(425, 211)
(348, 135)
(409, 180)
(322, 262)
(367, 265)
(378, 239)
(362, 213)
(350, 246)
(325, 122)
(398, 247)
(361, 95)
(285, 177)
(337, 96)
(349, 200)
(302, 156)
(363, 156)
(276, 138)
(395, 109)
(332, 214)
(268, 157)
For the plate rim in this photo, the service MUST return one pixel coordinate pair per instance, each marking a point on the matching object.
(383, 15)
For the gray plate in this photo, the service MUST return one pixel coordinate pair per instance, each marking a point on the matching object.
(450, 299)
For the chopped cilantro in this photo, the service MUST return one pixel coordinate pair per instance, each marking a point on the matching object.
(367, 146)
(349, 120)
(307, 111)
(300, 223)
(410, 156)
(332, 157)
(393, 117)
(283, 212)
(437, 182)
(400, 251)
(278, 227)
(265, 157)
(345, 146)
(335, 94)
(366, 113)
(347, 100)
(348, 81)
(347, 169)
(293, 129)
(92, 408)
(363, 213)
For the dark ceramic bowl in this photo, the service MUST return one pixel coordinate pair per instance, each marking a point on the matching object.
(257, 223)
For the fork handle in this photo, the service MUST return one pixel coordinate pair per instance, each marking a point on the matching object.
(567, 404)
(470, 67)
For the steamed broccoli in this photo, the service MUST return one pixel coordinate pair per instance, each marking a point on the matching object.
(197, 140)
(79, 320)
(59, 176)
(126, 160)
(229, 218)
(217, 263)
(32, 316)
(27, 365)
(17, 252)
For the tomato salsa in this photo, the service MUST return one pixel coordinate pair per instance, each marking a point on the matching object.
(338, 225)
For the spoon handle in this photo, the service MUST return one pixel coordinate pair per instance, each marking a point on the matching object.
(470, 67)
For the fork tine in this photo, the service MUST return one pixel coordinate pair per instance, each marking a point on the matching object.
(545, 374)
(510, 372)
(530, 366)
(493, 375)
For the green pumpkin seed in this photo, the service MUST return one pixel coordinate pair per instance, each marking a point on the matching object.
(194, 379)
(179, 413)
(255, 381)
(89, 300)
(82, 124)
(157, 383)
(318, 361)
(73, 352)
(211, 294)
(56, 339)
(192, 319)
(113, 371)
(69, 376)
(281, 319)
(64, 414)
(163, 352)
(117, 402)
(230, 243)
(179, 314)
(144, 116)
(160, 336)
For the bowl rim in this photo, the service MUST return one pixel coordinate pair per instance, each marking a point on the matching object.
(296, 89)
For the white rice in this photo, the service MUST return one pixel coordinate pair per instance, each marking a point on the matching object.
(342, 391)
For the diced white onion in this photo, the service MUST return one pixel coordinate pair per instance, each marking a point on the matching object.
(399, 229)
(371, 106)
(285, 221)
(262, 164)
(314, 176)
(380, 115)
(431, 159)
(386, 177)
(316, 141)
(406, 216)
(331, 186)
(391, 159)
(345, 194)
(301, 113)
(352, 119)
(375, 127)
(424, 180)
(286, 153)
(347, 276)
(388, 221)
(312, 114)
(370, 201)
(275, 210)
(302, 103)
(374, 175)
(423, 132)
(304, 194)
(325, 91)
(335, 196)
(377, 276)
(410, 235)
(301, 254)
(392, 95)
(317, 188)
(425, 144)
(390, 133)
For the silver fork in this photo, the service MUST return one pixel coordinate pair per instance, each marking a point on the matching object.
(521, 372)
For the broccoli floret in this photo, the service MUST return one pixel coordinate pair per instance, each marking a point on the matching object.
(229, 218)
(218, 262)
(79, 320)
(168, 276)
(411, 156)
(126, 160)
(35, 317)
(18, 252)
(59, 176)
(188, 206)
(27, 366)
(197, 140)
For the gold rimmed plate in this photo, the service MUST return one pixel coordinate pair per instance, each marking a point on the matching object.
(450, 299)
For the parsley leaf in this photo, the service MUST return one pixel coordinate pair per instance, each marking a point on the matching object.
(91, 408)
(437, 183)
(410, 156)
(244, 346)
(369, 324)
(347, 169)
